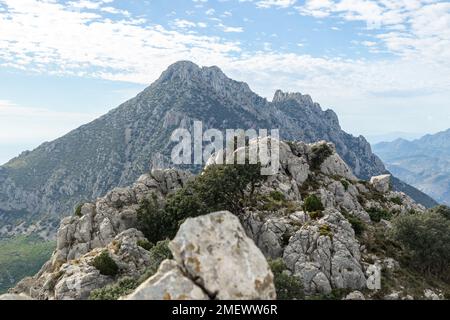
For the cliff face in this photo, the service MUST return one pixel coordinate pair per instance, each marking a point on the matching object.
(314, 214)
(39, 187)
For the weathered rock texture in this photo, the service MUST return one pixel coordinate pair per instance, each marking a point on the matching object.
(214, 259)
(213, 254)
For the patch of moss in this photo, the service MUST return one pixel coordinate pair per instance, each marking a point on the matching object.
(325, 230)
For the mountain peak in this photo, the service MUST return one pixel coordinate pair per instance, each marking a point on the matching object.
(281, 96)
(187, 72)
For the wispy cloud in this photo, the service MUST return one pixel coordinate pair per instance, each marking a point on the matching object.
(50, 37)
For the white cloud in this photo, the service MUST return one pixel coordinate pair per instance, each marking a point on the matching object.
(415, 29)
(230, 29)
(48, 37)
(275, 3)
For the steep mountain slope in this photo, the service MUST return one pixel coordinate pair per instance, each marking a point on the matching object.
(423, 163)
(41, 185)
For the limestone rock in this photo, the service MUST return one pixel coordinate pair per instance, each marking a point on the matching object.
(169, 283)
(215, 251)
(381, 183)
(355, 295)
(9, 296)
(325, 255)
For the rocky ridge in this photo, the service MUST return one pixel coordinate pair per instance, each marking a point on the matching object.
(322, 247)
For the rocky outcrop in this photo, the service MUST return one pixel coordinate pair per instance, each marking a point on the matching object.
(214, 259)
(106, 225)
(313, 213)
(381, 183)
(326, 255)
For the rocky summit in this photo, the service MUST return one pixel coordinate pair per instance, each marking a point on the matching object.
(39, 187)
(313, 227)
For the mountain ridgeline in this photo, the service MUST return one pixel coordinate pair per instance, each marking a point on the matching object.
(37, 188)
(423, 163)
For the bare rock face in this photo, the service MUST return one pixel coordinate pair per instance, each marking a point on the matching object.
(214, 259)
(106, 225)
(169, 283)
(326, 255)
(381, 183)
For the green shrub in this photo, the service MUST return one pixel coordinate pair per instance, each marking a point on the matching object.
(427, 239)
(158, 254)
(397, 200)
(357, 224)
(287, 287)
(377, 214)
(153, 220)
(442, 210)
(346, 184)
(145, 244)
(78, 210)
(316, 215)
(105, 264)
(319, 154)
(219, 187)
(312, 203)
(277, 196)
(123, 287)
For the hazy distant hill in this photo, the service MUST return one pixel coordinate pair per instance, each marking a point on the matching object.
(423, 163)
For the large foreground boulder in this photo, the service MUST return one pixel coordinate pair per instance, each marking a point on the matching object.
(214, 259)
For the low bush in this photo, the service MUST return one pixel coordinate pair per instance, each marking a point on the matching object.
(123, 287)
(78, 210)
(357, 224)
(397, 200)
(287, 287)
(145, 244)
(219, 187)
(442, 210)
(346, 184)
(427, 239)
(312, 203)
(319, 154)
(105, 264)
(376, 215)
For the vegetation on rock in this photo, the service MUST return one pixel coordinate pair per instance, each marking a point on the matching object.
(426, 237)
(219, 187)
(105, 264)
(312, 204)
(288, 287)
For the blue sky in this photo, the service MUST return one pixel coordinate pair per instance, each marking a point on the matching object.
(382, 65)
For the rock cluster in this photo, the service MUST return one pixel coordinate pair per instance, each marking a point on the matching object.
(222, 256)
(214, 259)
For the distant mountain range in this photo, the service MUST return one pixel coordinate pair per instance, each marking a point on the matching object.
(39, 187)
(423, 163)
